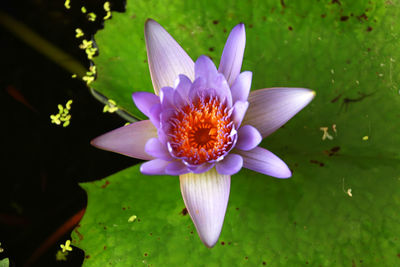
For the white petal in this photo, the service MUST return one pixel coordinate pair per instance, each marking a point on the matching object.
(206, 198)
(271, 108)
(166, 57)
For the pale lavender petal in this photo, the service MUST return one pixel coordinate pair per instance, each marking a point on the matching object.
(241, 88)
(265, 162)
(157, 149)
(154, 167)
(167, 97)
(270, 108)
(166, 57)
(176, 168)
(232, 56)
(239, 110)
(206, 198)
(128, 140)
(231, 164)
(144, 101)
(248, 138)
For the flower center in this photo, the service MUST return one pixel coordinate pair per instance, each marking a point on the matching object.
(201, 131)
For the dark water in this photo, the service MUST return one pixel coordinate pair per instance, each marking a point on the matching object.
(43, 162)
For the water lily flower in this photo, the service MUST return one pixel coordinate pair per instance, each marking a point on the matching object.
(204, 124)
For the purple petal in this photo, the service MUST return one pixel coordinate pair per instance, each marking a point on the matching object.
(270, 108)
(157, 149)
(241, 88)
(166, 57)
(167, 97)
(232, 56)
(176, 168)
(183, 86)
(248, 138)
(212, 80)
(263, 161)
(205, 68)
(239, 110)
(231, 164)
(144, 101)
(154, 115)
(128, 140)
(201, 168)
(154, 167)
(206, 198)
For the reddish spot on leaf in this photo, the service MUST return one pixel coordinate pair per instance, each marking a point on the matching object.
(333, 151)
(344, 18)
(321, 164)
(184, 211)
(105, 185)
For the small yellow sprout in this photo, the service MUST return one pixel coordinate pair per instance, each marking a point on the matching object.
(61, 256)
(88, 79)
(74, 75)
(132, 218)
(107, 9)
(55, 119)
(326, 134)
(92, 16)
(110, 107)
(90, 52)
(365, 138)
(63, 114)
(1, 249)
(83, 9)
(66, 247)
(127, 123)
(79, 33)
(67, 4)
(85, 44)
(68, 105)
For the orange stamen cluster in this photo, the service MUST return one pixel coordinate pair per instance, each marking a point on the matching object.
(201, 131)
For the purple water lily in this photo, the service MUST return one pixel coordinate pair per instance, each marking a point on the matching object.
(204, 124)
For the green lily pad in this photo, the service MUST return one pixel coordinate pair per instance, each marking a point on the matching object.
(4, 262)
(340, 208)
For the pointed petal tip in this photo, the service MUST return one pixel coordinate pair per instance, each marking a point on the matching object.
(314, 93)
(166, 58)
(150, 21)
(210, 243)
